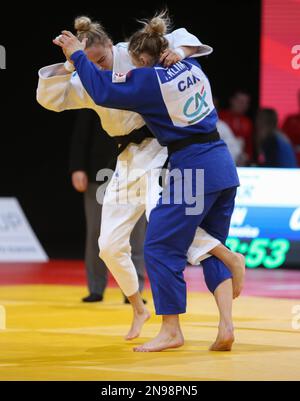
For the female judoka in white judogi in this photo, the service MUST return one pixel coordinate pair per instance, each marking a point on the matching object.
(60, 90)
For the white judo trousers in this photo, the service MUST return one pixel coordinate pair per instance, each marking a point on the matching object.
(137, 171)
(127, 197)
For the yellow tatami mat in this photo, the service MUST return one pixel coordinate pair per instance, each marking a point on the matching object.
(50, 335)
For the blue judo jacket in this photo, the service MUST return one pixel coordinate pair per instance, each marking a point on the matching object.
(175, 103)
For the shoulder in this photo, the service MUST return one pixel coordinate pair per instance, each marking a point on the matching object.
(283, 138)
(122, 46)
(143, 72)
(193, 61)
(122, 60)
(173, 36)
(179, 31)
(137, 74)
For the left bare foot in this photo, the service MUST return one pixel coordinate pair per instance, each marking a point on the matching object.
(165, 340)
(139, 320)
(224, 340)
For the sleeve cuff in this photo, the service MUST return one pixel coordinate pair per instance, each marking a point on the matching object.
(76, 55)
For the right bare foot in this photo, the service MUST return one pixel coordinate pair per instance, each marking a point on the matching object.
(139, 319)
(238, 270)
(224, 340)
(165, 340)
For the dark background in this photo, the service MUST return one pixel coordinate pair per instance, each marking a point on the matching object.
(34, 142)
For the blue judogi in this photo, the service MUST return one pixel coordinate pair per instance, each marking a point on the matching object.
(175, 103)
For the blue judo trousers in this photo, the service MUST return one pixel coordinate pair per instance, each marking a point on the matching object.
(171, 232)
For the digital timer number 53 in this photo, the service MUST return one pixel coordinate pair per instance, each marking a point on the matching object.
(262, 252)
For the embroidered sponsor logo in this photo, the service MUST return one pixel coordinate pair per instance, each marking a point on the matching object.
(119, 77)
(197, 108)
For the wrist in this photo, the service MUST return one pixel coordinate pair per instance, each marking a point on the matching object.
(69, 66)
(74, 54)
(180, 53)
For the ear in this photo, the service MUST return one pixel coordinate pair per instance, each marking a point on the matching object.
(142, 61)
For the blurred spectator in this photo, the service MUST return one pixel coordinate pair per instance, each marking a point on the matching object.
(291, 127)
(274, 148)
(92, 150)
(235, 145)
(236, 118)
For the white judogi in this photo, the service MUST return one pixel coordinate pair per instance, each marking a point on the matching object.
(65, 92)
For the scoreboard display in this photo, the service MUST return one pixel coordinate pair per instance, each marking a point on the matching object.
(265, 225)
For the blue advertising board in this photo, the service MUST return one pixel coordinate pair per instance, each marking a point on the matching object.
(265, 226)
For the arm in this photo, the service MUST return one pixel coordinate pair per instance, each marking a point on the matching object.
(189, 43)
(188, 51)
(182, 44)
(171, 57)
(60, 90)
(131, 94)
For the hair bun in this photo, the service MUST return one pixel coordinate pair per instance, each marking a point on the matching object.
(160, 24)
(83, 24)
(156, 26)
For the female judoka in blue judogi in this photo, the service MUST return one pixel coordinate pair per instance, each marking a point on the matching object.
(177, 106)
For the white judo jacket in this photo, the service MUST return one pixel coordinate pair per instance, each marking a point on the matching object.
(66, 92)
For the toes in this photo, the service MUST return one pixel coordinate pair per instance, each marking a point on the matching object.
(139, 349)
(130, 338)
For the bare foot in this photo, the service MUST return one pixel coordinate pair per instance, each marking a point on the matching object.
(238, 270)
(224, 340)
(139, 319)
(164, 340)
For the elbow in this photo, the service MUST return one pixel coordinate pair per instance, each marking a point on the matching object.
(46, 103)
(100, 99)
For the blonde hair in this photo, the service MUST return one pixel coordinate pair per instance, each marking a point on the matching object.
(93, 31)
(151, 38)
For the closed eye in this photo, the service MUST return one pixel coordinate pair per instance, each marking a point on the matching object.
(101, 60)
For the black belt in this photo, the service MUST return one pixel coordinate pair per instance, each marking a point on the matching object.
(183, 143)
(196, 138)
(137, 136)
